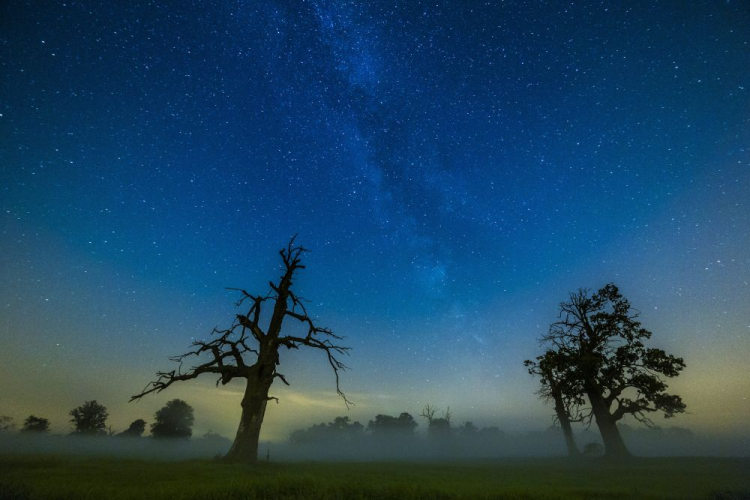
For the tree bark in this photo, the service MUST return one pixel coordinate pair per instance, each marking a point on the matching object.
(245, 446)
(562, 416)
(614, 446)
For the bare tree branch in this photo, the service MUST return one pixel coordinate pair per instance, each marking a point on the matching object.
(248, 350)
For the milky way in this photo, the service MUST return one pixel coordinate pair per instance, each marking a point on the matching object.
(455, 168)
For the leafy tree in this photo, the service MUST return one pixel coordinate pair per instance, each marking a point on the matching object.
(601, 347)
(344, 426)
(226, 355)
(174, 420)
(314, 433)
(136, 429)
(90, 419)
(6, 423)
(560, 385)
(388, 426)
(35, 424)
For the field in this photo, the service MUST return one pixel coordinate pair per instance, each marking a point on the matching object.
(51, 477)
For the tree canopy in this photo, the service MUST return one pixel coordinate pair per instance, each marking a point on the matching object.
(560, 386)
(386, 425)
(89, 419)
(35, 424)
(174, 420)
(597, 350)
(341, 430)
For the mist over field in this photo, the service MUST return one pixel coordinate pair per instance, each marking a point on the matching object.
(493, 444)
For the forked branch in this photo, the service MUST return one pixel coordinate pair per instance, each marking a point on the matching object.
(228, 350)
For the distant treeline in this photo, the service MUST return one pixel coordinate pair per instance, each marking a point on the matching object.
(396, 437)
(174, 420)
(170, 437)
(385, 437)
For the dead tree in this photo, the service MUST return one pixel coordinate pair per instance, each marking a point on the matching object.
(227, 354)
(428, 412)
(440, 426)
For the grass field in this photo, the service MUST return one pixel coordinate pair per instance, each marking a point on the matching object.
(26, 477)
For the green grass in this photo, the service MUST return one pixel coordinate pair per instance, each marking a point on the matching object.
(27, 477)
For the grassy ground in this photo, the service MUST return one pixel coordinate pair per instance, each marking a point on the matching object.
(65, 478)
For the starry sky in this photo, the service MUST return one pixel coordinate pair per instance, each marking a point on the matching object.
(455, 168)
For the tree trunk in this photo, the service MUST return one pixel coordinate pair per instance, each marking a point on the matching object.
(614, 446)
(562, 416)
(245, 446)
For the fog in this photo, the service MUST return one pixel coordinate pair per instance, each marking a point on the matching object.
(329, 444)
(493, 444)
(114, 446)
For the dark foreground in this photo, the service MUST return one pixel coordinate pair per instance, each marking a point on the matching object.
(28, 477)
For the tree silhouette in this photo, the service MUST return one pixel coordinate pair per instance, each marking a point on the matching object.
(35, 424)
(227, 352)
(89, 419)
(388, 426)
(560, 385)
(136, 429)
(174, 420)
(437, 427)
(600, 344)
(340, 431)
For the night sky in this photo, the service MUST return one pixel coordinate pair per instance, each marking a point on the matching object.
(455, 168)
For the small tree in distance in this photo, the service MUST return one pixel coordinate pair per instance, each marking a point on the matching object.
(34, 424)
(90, 419)
(174, 420)
(136, 429)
